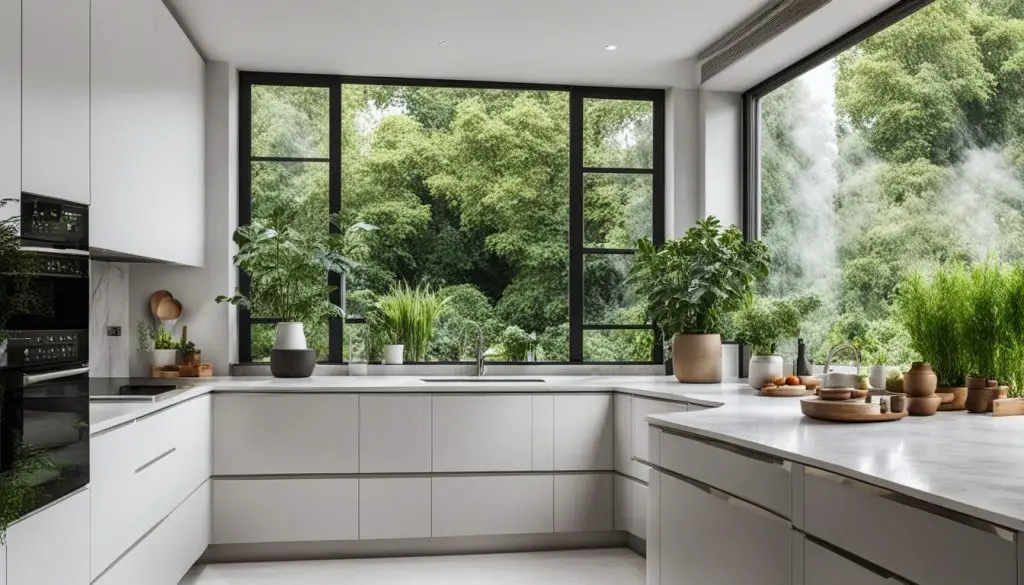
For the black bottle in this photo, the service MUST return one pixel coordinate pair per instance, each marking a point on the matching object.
(803, 366)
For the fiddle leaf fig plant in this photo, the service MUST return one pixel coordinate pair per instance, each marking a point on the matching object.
(288, 268)
(692, 283)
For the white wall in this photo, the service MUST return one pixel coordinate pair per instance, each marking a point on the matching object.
(721, 118)
(682, 153)
(210, 325)
(108, 307)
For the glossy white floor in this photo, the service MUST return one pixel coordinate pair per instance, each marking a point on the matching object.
(590, 567)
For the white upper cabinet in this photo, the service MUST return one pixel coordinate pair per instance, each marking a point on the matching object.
(10, 104)
(55, 98)
(147, 134)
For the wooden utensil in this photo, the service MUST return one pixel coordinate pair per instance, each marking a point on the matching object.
(155, 298)
(835, 393)
(168, 309)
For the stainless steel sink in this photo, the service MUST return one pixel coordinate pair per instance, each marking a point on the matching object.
(480, 380)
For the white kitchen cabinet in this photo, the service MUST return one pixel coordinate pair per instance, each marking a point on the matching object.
(3, 565)
(630, 506)
(622, 431)
(51, 546)
(654, 511)
(584, 502)
(583, 432)
(824, 567)
(543, 432)
(147, 122)
(394, 507)
(288, 433)
(169, 551)
(142, 471)
(482, 432)
(394, 434)
(494, 504)
(55, 99)
(709, 537)
(285, 510)
(642, 408)
(10, 105)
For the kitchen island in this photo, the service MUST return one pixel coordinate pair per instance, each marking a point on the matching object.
(741, 488)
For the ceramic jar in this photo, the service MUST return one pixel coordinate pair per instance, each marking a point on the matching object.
(920, 380)
(923, 405)
(763, 369)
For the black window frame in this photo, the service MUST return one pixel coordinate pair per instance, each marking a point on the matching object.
(577, 171)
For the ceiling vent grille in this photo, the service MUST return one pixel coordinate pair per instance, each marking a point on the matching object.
(755, 32)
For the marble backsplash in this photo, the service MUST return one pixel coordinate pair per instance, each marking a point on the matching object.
(108, 307)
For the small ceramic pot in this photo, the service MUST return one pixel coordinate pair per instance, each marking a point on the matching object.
(923, 405)
(159, 358)
(897, 403)
(393, 354)
(957, 400)
(697, 358)
(763, 369)
(876, 379)
(290, 335)
(840, 380)
(920, 380)
(981, 399)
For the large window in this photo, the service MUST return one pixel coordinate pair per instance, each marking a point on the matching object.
(520, 205)
(902, 151)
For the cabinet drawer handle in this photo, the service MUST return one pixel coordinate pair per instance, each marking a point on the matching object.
(725, 497)
(958, 517)
(762, 457)
(153, 461)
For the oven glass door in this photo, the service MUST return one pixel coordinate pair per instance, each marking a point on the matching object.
(58, 294)
(44, 435)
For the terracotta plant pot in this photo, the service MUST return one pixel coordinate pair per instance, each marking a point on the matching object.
(920, 380)
(697, 358)
(978, 382)
(980, 399)
(958, 398)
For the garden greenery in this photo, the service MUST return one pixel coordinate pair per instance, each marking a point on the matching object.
(762, 323)
(407, 315)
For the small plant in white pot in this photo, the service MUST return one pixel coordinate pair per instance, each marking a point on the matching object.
(403, 320)
(288, 271)
(158, 344)
(762, 323)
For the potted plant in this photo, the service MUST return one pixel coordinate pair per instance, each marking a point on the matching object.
(190, 355)
(936, 313)
(404, 321)
(981, 335)
(762, 323)
(691, 285)
(516, 344)
(288, 269)
(158, 344)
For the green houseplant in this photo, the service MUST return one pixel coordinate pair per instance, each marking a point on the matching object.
(404, 320)
(288, 270)
(935, 312)
(158, 343)
(762, 323)
(691, 284)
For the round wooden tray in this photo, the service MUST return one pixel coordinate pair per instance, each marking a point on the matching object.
(784, 391)
(846, 410)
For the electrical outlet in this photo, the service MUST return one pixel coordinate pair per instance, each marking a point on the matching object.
(113, 331)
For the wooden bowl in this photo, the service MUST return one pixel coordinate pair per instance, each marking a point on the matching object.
(811, 382)
(856, 393)
(835, 393)
(923, 405)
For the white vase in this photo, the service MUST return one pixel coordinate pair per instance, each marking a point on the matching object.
(159, 358)
(290, 335)
(876, 380)
(393, 354)
(764, 368)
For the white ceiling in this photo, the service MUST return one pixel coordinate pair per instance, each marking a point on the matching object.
(543, 41)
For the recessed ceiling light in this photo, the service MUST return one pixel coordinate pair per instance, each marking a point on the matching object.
(610, 47)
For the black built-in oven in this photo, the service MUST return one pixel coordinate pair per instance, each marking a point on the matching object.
(44, 369)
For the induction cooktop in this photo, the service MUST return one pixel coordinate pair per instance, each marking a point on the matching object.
(134, 390)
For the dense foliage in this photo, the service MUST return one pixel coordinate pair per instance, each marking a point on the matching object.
(469, 189)
(693, 282)
(763, 323)
(912, 157)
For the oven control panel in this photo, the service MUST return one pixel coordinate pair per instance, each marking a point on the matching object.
(29, 348)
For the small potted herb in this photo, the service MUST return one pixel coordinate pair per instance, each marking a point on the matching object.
(762, 323)
(190, 354)
(158, 344)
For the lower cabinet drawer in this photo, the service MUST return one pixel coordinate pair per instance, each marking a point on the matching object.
(51, 546)
(824, 567)
(911, 539)
(285, 510)
(394, 507)
(630, 510)
(166, 554)
(584, 502)
(757, 478)
(476, 506)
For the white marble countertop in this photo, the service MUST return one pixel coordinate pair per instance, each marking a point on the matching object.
(965, 462)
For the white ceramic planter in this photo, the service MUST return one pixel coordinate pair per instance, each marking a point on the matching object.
(159, 358)
(876, 379)
(393, 355)
(290, 335)
(764, 368)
